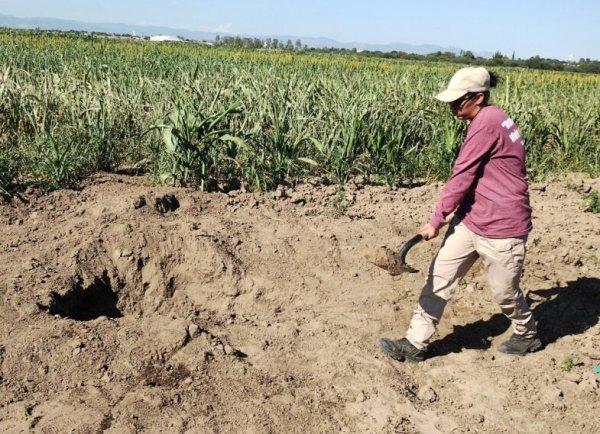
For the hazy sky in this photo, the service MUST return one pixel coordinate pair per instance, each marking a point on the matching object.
(549, 28)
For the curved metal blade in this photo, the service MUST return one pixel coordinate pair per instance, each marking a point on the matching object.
(404, 250)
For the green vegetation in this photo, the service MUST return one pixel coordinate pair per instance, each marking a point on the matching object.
(593, 202)
(464, 57)
(339, 203)
(194, 115)
(9, 168)
(569, 362)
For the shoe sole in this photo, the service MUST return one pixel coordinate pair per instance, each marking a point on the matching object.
(536, 347)
(389, 351)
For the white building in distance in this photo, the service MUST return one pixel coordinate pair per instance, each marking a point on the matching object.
(165, 38)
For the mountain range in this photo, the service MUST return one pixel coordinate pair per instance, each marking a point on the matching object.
(44, 23)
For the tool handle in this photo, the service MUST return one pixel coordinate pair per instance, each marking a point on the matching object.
(407, 246)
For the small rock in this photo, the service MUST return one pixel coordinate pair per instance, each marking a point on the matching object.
(77, 344)
(329, 191)
(538, 187)
(297, 199)
(106, 378)
(359, 180)
(208, 356)
(427, 394)
(193, 330)
(361, 397)
(280, 193)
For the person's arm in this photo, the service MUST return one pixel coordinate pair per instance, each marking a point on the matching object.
(473, 153)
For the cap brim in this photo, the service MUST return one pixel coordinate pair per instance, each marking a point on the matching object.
(450, 95)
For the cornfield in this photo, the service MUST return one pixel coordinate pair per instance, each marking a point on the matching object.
(195, 115)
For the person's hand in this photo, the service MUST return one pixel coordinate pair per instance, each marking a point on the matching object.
(428, 232)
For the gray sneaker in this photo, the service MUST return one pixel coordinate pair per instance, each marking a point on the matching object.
(520, 345)
(401, 350)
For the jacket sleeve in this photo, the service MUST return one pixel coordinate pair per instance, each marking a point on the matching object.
(474, 152)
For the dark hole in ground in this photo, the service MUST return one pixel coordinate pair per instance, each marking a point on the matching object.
(86, 304)
(166, 203)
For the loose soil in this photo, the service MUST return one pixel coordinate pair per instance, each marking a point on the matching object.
(129, 308)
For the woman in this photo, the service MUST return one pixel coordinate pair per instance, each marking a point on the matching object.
(488, 194)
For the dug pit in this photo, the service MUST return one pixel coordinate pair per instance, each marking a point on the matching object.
(86, 303)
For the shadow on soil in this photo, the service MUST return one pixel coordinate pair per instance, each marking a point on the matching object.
(559, 312)
(567, 310)
(472, 336)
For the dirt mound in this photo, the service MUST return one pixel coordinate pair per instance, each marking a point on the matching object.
(389, 260)
(130, 308)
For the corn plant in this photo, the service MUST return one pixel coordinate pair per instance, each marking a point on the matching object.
(72, 105)
(57, 159)
(190, 147)
(9, 168)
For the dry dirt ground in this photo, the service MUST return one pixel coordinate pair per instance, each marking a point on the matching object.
(129, 308)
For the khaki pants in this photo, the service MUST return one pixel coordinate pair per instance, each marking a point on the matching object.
(503, 262)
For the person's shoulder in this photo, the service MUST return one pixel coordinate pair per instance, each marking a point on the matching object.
(491, 117)
(493, 112)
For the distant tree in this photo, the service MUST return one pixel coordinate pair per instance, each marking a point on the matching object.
(298, 44)
(498, 58)
(467, 55)
(534, 62)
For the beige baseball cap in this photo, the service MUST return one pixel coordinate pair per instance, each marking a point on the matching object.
(470, 79)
